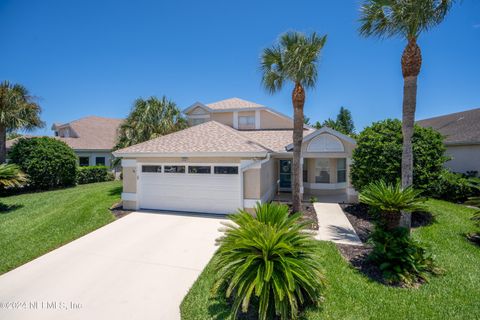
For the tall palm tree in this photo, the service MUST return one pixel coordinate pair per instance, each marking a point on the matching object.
(406, 19)
(150, 119)
(18, 111)
(293, 59)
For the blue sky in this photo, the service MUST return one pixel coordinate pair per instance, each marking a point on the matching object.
(95, 57)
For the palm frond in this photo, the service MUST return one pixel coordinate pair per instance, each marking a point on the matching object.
(11, 176)
(406, 18)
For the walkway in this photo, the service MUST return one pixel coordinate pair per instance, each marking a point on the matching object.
(333, 225)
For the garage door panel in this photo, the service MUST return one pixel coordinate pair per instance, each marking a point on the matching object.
(210, 193)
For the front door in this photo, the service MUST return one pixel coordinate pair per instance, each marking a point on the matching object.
(285, 175)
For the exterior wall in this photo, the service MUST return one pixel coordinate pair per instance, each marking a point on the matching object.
(129, 205)
(129, 179)
(260, 184)
(224, 117)
(92, 155)
(464, 158)
(269, 120)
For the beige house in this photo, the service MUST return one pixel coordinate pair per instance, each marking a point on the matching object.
(462, 139)
(91, 138)
(236, 153)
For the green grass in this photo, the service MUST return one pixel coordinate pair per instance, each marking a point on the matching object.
(37, 223)
(351, 295)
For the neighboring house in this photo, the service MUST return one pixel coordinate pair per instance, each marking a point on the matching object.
(92, 138)
(462, 138)
(236, 153)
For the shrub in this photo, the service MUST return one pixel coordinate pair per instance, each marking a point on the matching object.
(271, 259)
(48, 162)
(453, 187)
(400, 258)
(11, 176)
(93, 174)
(379, 152)
(389, 200)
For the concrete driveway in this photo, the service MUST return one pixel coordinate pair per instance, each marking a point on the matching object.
(138, 267)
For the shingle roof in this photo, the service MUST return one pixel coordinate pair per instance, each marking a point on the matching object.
(458, 128)
(234, 103)
(274, 140)
(208, 137)
(94, 133)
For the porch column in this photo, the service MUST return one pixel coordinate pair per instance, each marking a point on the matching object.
(301, 176)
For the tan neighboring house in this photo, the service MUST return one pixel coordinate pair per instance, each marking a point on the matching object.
(236, 153)
(462, 138)
(92, 138)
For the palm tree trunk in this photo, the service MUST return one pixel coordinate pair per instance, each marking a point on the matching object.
(3, 144)
(298, 100)
(411, 64)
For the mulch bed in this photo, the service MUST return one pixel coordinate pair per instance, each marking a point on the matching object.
(118, 211)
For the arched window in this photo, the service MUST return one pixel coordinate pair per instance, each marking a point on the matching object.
(325, 142)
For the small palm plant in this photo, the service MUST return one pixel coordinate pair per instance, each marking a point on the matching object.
(271, 259)
(11, 176)
(390, 200)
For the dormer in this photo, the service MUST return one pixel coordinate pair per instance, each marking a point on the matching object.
(238, 114)
(63, 131)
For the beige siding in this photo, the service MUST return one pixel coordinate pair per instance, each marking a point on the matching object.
(129, 180)
(269, 120)
(268, 180)
(464, 158)
(223, 117)
(251, 184)
(129, 205)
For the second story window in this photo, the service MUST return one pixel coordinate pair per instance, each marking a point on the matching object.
(195, 121)
(246, 122)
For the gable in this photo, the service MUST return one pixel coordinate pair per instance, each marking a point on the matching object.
(325, 142)
(198, 111)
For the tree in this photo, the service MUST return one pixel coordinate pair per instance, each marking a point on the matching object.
(11, 176)
(18, 111)
(150, 119)
(13, 135)
(306, 120)
(48, 162)
(378, 155)
(406, 19)
(345, 122)
(293, 59)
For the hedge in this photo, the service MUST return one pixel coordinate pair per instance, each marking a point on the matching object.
(93, 174)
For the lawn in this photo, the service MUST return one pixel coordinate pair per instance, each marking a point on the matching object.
(37, 223)
(351, 295)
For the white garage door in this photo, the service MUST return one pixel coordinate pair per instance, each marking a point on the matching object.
(193, 188)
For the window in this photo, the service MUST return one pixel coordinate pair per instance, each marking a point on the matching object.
(174, 169)
(151, 168)
(199, 169)
(196, 121)
(246, 122)
(305, 175)
(226, 170)
(342, 170)
(84, 161)
(100, 161)
(322, 171)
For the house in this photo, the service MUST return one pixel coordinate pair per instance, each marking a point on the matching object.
(462, 138)
(236, 153)
(92, 138)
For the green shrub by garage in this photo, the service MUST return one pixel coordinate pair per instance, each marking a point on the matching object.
(378, 155)
(93, 174)
(48, 162)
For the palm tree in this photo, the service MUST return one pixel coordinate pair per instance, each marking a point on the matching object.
(406, 19)
(293, 59)
(150, 119)
(11, 176)
(18, 111)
